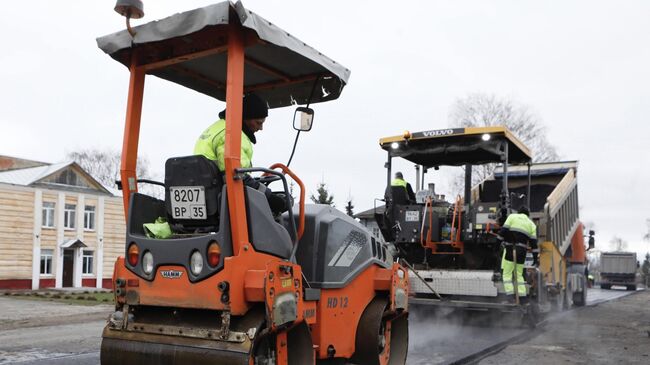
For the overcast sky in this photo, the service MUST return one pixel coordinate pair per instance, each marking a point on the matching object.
(582, 66)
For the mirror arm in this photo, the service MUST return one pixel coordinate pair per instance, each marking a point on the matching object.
(295, 143)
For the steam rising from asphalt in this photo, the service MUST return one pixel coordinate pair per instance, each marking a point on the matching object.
(439, 335)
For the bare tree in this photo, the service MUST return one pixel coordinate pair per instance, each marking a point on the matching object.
(646, 237)
(618, 244)
(104, 166)
(484, 110)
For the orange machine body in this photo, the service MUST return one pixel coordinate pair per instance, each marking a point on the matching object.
(254, 277)
(578, 250)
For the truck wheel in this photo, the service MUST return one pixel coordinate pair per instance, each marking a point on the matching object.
(568, 296)
(580, 298)
(557, 305)
(605, 286)
(631, 287)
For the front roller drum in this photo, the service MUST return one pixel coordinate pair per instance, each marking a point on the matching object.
(123, 348)
(382, 337)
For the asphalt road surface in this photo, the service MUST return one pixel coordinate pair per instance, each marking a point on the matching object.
(65, 339)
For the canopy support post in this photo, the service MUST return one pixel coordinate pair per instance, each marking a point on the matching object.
(468, 193)
(232, 152)
(131, 133)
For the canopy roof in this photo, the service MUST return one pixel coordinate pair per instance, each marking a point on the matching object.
(190, 49)
(457, 146)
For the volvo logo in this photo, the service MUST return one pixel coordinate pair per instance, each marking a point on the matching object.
(439, 132)
(171, 274)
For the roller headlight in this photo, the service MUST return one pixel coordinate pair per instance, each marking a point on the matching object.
(147, 263)
(196, 263)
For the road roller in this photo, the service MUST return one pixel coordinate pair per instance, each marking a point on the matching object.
(210, 273)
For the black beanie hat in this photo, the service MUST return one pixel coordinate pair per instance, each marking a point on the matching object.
(523, 210)
(253, 108)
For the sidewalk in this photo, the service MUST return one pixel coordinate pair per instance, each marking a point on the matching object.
(615, 332)
(21, 313)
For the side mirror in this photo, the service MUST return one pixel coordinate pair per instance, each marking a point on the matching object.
(303, 118)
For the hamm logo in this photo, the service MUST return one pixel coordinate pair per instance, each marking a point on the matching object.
(171, 274)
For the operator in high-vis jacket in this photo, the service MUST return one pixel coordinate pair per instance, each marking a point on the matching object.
(519, 232)
(399, 181)
(212, 144)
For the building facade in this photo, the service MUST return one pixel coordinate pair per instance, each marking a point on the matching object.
(59, 227)
(367, 218)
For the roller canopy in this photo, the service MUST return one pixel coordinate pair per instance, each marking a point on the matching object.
(190, 49)
(457, 146)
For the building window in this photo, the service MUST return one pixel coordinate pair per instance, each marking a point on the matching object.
(376, 232)
(48, 214)
(69, 216)
(87, 262)
(46, 262)
(89, 217)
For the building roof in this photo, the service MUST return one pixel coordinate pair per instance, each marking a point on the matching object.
(32, 175)
(11, 163)
(370, 213)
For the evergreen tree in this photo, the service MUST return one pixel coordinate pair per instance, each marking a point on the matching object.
(349, 208)
(323, 196)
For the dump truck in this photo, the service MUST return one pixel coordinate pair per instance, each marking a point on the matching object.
(453, 247)
(618, 268)
(232, 283)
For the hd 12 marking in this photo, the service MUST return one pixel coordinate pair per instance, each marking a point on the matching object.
(334, 302)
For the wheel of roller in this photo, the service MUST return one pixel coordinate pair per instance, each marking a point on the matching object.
(381, 339)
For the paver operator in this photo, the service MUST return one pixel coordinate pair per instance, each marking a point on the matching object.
(399, 181)
(212, 143)
(518, 231)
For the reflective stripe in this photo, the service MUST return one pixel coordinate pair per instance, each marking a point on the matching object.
(398, 182)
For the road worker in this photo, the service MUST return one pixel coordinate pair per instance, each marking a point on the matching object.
(399, 181)
(519, 233)
(212, 143)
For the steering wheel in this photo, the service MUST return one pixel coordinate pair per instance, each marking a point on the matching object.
(267, 179)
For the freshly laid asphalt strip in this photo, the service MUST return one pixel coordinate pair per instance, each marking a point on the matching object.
(443, 339)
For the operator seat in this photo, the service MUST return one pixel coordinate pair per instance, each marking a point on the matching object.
(197, 171)
(398, 195)
(490, 191)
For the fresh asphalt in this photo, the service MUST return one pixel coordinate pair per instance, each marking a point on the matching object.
(444, 338)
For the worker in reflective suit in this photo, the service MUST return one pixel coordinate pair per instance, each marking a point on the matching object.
(519, 233)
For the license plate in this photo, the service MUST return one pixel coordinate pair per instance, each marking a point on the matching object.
(188, 202)
(412, 216)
